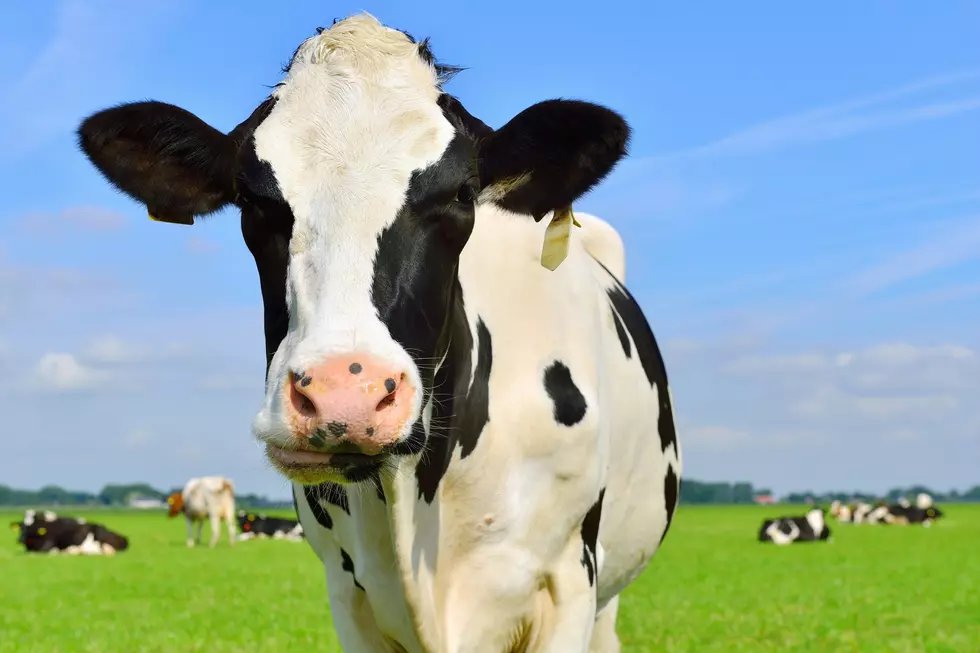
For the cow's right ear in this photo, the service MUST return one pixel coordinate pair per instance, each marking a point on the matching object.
(163, 156)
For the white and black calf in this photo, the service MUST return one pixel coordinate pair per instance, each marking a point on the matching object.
(260, 526)
(483, 450)
(811, 527)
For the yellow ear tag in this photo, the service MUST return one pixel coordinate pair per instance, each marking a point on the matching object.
(170, 500)
(557, 238)
(42, 530)
(251, 517)
(188, 220)
(15, 527)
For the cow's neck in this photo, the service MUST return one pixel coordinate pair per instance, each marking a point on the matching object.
(458, 414)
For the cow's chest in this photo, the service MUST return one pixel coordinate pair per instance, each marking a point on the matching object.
(365, 586)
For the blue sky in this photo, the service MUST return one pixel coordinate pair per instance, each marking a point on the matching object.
(801, 209)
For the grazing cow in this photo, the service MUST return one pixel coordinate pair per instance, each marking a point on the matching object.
(481, 441)
(261, 526)
(811, 527)
(208, 497)
(67, 535)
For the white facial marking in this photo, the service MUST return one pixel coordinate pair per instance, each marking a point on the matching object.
(355, 117)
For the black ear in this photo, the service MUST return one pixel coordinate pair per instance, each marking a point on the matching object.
(550, 154)
(163, 156)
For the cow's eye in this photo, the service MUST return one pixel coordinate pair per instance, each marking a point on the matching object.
(466, 194)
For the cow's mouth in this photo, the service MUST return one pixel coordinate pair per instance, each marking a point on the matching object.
(308, 466)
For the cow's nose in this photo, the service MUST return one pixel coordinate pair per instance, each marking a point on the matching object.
(355, 398)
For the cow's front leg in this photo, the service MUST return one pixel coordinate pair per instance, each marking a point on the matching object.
(215, 521)
(190, 532)
(353, 618)
(569, 628)
(503, 602)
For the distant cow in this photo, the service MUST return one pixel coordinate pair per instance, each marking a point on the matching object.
(909, 514)
(32, 517)
(842, 511)
(260, 526)
(861, 512)
(207, 497)
(71, 536)
(810, 527)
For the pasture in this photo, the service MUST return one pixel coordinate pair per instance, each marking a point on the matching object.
(711, 588)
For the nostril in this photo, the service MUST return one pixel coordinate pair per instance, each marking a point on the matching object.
(300, 402)
(391, 386)
(387, 401)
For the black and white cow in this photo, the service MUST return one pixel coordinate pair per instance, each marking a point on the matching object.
(254, 525)
(811, 527)
(924, 512)
(484, 449)
(44, 517)
(70, 536)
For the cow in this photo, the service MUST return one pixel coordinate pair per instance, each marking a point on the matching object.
(278, 528)
(841, 511)
(861, 512)
(810, 527)
(46, 517)
(71, 536)
(471, 406)
(207, 497)
(905, 513)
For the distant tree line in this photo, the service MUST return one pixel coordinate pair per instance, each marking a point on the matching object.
(744, 493)
(692, 492)
(111, 496)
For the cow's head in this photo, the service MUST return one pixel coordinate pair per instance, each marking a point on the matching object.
(175, 504)
(357, 181)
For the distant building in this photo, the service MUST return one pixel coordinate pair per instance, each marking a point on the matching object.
(146, 503)
(764, 499)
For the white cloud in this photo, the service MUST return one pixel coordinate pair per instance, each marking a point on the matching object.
(952, 245)
(838, 120)
(63, 372)
(34, 292)
(746, 409)
(109, 349)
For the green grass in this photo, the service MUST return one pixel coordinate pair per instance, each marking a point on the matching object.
(711, 588)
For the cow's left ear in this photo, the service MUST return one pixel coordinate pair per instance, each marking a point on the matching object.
(549, 155)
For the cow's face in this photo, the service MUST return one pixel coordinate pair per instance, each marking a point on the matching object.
(358, 182)
(175, 504)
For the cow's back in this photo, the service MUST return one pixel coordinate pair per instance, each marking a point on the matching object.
(581, 315)
(209, 493)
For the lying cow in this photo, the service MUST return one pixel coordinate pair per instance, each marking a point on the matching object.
(909, 514)
(811, 527)
(485, 382)
(208, 497)
(31, 517)
(72, 537)
(260, 526)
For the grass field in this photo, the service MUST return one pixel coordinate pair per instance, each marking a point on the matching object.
(712, 588)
